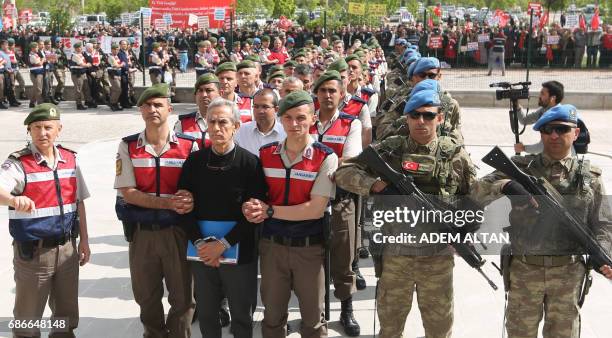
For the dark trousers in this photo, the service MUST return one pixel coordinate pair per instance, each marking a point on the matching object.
(232, 281)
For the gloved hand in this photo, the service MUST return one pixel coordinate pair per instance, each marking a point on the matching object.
(518, 195)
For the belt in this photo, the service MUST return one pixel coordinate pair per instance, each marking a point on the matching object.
(151, 226)
(296, 241)
(549, 261)
(49, 242)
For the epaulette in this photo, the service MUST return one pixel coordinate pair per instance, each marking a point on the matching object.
(186, 116)
(185, 136)
(327, 150)
(23, 152)
(596, 171)
(244, 95)
(358, 99)
(68, 149)
(346, 116)
(368, 91)
(131, 138)
(272, 144)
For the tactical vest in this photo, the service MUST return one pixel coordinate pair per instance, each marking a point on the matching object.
(36, 69)
(336, 135)
(190, 127)
(245, 107)
(54, 192)
(541, 233)
(354, 106)
(291, 186)
(156, 176)
(366, 93)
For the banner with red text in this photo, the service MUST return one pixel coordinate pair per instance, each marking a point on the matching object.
(181, 9)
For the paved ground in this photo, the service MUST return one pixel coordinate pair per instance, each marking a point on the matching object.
(106, 302)
(584, 80)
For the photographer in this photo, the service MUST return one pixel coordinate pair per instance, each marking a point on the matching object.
(551, 95)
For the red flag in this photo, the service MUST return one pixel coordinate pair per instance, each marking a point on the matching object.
(438, 10)
(430, 23)
(284, 23)
(549, 53)
(544, 20)
(582, 22)
(595, 20)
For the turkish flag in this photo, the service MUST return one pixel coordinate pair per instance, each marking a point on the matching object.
(549, 53)
(407, 165)
(544, 20)
(284, 23)
(582, 22)
(430, 23)
(595, 20)
(438, 10)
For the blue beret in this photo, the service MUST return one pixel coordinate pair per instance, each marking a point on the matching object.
(413, 47)
(58, 39)
(560, 112)
(402, 42)
(411, 68)
(412, 58)
(290, 40)
(427, 84)
(422, 98)
(426, 64)
(131, 39)
(256, 40)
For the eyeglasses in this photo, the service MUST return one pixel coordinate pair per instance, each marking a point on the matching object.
(225, 167)
(428, 116)
(560, 129)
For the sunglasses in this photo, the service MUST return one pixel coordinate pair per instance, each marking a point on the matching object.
(428, 116)
(560, 129)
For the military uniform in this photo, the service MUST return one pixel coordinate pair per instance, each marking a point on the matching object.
(173, 65)
(17, 78)
(114, 70)
(78, 68)
(60, 71)
(46, 258)
(37, 74)
(156, 65)
(546, 270)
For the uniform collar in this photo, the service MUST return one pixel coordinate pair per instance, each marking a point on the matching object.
(414, 147)
(142, 140)
(332, 120)
(307, 153)
(39, 158)
(566, 162)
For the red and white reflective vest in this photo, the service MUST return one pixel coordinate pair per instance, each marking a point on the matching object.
(366, 93)
(190, 127)
(12, 57)
(245, 107)
(335, 136)
(354, 106)
(54, 193)
(95, 57)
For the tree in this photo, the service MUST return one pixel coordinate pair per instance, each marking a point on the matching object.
(61, 12)
(283, 7)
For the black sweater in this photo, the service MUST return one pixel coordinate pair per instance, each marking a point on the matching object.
(219, 194)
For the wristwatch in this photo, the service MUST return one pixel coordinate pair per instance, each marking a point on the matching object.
(270, 211)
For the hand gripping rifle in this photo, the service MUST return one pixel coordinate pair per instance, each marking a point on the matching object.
(550, 200)
(405, 185)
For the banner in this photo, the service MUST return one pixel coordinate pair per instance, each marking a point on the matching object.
(181, 9)
(537, 8)
(483, 37)
(193, 19)
(552, 40)
(472, 46)
(377, 9)
(435, 42)
(125, 19)
(160, 24)
(571, 21)
(203, 22)
(356, 8)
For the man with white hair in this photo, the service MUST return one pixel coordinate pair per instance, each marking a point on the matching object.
(291, 84)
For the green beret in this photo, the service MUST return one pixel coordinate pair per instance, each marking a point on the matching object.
(352, 57)
(249, 41)
(360, 54)
(299, 54)
(309, 42)
(11, 41)
(114, 46)
(336, 38)
(156, 90)
(236, 43)
(77, 45)
(253, 58)
(33, 44)
(245, 64)
(155, 45)
(206, 79)
(43, 112)
(365, 67)
(265, 38)
(225, 66)
(93, 40)
(275, 75)
(200, 44)
(294, 99)
(276, 68)
(338, 65)
(327, 76)
(212, 39)
(290, 63)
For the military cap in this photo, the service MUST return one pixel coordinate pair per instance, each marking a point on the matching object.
(299, 54)
(427, 84)
(425, 64)
(256, 41)
(93, 40)
(360, 54)
(33, 44)
(290, 63)
(560, 112)
(253, 58)
(265, 38)
(275, 75)
(131, 40)
(294, 99)
(201, 44)
(114, 46)
(338, 65)
(236, 43)
(212, 39)
(276, 68)
(327, 76)
(225, 66)
(155, 45)
(156, 90)
(77, 45)
(413, 58)
(245, 64)
(422, 98)
(58, 39)
(290, 40)
(43, 112)
(401, 42)
(205, 79)
(249, 41)
(352, 57)
(11, 41)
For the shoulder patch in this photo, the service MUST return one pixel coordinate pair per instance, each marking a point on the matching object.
(346, 116)
(596, 171)
(327, 150)
(358, 99)
(273, 144)
(188, 115)
(368, 91)
(131, 138)
(23, 152)
(186, 137)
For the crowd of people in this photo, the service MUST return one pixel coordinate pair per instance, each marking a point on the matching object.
(266, 176)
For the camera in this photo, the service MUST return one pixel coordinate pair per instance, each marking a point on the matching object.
(512, 91)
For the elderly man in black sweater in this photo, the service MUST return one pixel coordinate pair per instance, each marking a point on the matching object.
(221, 177)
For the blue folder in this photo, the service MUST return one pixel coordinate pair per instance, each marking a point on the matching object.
(218, 230)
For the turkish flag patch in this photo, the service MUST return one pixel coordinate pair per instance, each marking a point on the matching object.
(407, 165)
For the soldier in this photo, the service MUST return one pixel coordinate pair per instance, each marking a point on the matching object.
(9, 74)
(292, 238)
(51, 59)
(355, 76)
(156, 64)
(546, 271)
(173, 65)
(102, 74)
(15, 63)
(424, 267)
(94, 76)
(247, 78)
(37, 74)
(134, 65)
(5, 65)
(194, 124)
(200, 61)
(78, 67)
(152, 211)
(114, 74)
(227, 75)
(45, 191)
(124, 56)
(342, 133)
(60, 70)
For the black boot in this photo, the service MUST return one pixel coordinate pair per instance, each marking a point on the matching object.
(363, 253)
(224, 314)
(360, 282)
(23, 96)
(32, 104)
(3, 106)
(15, 103)
(92, 104)
(81, 107)
(347, 320)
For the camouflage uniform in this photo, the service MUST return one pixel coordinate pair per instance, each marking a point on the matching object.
(445, 169)
(546, 275)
